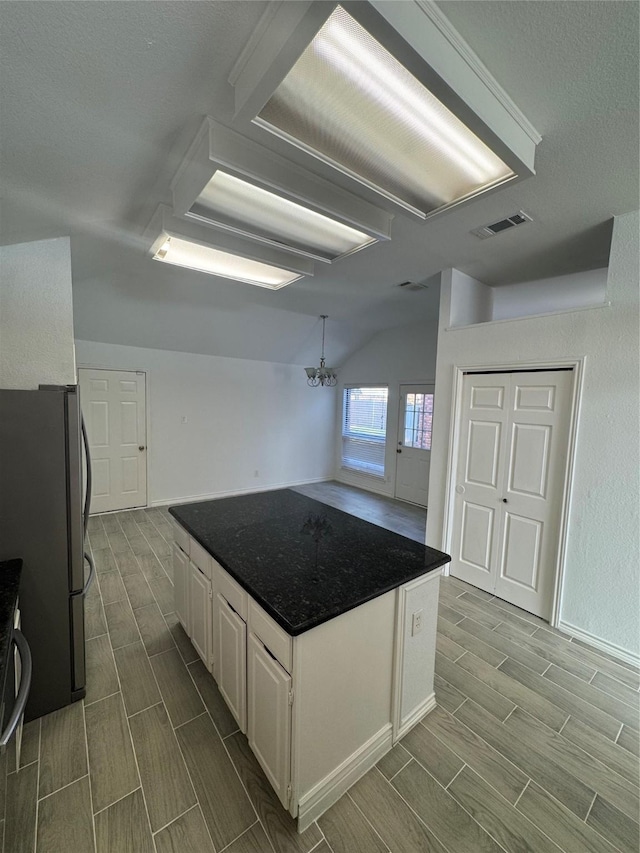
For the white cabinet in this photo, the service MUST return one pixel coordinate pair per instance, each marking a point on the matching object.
(181, 585)
(320, 708)
(269, 697)
(193, 595)
(231, 659)
(200, 613)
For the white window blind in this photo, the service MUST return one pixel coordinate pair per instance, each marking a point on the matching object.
(364, 429)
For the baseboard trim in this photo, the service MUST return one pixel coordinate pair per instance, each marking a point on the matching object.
(415, 716)
(598, 643)
(329, 790)
(229, 493)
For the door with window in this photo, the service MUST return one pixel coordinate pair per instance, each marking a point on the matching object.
(114, 408)
(414, 443)
(510, 476)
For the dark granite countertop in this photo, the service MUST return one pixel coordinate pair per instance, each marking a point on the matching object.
(10, 571)
(303, 561)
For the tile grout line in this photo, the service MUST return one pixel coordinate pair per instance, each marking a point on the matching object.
(66, 785)
(133, 749)
(196, 805)
(526, 785)
(348, 794)
(492, 749)
(451, 781)
(244, 832)
(86, 748)
(423, 823)
(35, 832)
(400, 768)
(193, 787)
(586, 817)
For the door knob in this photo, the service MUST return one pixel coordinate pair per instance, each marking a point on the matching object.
(398, 450)
(141, 447)
(504, 500)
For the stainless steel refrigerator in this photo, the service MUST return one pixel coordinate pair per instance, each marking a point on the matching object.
(44, 508)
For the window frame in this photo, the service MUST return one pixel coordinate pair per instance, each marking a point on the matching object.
(380, 442)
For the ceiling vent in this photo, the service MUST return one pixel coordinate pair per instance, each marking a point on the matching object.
(518, 218)
(413, 286)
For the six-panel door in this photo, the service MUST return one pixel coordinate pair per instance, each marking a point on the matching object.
(510, 475)
(113, 404)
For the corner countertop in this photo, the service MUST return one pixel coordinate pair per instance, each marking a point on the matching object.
(303, 561)
(10, 571)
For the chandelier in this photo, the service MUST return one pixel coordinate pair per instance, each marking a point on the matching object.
(321, 375)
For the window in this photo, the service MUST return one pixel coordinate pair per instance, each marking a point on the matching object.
(364, 429)
(418, 416)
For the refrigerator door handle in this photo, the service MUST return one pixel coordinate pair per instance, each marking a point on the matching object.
(92, 573)
(87, 457)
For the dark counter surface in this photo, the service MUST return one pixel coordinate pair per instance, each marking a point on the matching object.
(10, 571)
(303, 561)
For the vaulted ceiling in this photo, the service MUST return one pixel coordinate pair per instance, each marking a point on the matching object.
(101, 100)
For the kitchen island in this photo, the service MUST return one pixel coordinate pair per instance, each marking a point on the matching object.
(319, 629)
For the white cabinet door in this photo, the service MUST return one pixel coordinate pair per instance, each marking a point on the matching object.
(231, 660)
(181, 586)
(200, 607)
(269, 716)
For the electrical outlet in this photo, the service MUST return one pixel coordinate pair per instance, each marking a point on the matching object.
(416, 623)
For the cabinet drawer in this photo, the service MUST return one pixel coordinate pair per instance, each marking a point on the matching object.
(279, 643)
(180, 537)
(229, 589)
(200, 557)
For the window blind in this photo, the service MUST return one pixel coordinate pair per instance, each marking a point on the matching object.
(364, 429)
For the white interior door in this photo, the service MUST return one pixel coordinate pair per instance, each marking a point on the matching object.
(414, 443)
(511, 467)
(114, 408)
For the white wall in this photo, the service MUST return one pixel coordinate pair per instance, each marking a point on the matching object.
(403, 355)
(562, 293)
(242, 417)
(602, 580)
(36, 315)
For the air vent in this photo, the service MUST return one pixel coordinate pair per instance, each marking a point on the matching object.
(412, 285)
(518, 218)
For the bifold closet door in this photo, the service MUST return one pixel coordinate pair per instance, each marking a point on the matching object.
(510, 475)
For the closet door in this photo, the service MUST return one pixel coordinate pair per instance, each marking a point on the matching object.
(511, 475)
(478, 490)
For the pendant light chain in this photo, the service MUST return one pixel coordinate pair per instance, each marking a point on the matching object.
(321, 375)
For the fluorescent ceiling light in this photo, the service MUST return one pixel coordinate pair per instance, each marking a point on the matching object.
(185, 244)
(349, 102)
(233, 183)
(182, 253)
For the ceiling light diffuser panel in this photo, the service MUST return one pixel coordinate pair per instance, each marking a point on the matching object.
(186, 244)
(230, 182)
(389, 95)
(348, 101)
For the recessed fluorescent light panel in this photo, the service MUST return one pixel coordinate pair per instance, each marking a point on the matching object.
(231, 182)
(348, 101)
(185, 244)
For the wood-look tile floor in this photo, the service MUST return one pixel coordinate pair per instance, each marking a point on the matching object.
(533, 747)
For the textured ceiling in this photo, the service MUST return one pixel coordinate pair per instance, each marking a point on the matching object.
(100, 100)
